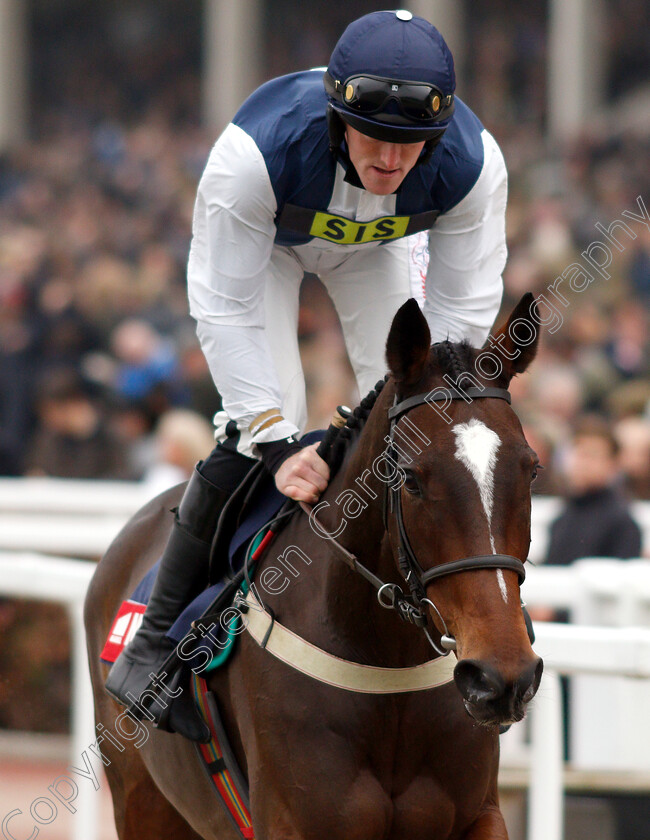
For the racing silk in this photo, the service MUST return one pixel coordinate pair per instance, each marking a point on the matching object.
(271, 182)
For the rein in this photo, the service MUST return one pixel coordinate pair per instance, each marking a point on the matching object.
(390, 595)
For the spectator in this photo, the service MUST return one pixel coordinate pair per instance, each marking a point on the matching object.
(633, 438)
(145, 359)
(203, 396)
(17, 363)
(72, 440)
(628, 345)
(540, 436)
(596, 521)
(132, 424)
(181, 438)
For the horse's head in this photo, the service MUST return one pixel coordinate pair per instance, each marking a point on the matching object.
(466, 497)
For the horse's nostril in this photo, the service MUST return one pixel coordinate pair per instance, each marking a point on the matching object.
(488, 697)
(528, 694)
(529, 682)
(477, 681)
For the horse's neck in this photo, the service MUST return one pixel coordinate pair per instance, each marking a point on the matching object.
(350, 601)
(356, 495)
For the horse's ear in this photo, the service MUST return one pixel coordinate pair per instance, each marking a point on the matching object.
(407, 347)
(518, 338)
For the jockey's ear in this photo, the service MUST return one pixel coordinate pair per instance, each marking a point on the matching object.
(407, 347)
(518, 338)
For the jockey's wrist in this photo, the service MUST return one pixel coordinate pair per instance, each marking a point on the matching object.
(275, 453)
(270, 427)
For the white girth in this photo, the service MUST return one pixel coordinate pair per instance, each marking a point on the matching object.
(330, 669)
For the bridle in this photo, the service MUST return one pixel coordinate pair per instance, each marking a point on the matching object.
(391, 595)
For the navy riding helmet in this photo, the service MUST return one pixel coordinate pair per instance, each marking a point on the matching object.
(391, 76)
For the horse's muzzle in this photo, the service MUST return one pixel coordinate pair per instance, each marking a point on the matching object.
(488, 698)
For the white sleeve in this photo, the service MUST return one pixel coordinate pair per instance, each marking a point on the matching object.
(467, 255)
(240, 363)
(232, 237)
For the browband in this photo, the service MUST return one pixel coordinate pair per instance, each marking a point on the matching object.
(441, 394)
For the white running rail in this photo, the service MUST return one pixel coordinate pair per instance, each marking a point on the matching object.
(571, 650)
(65, 517)
(63, 581)
(80, 518)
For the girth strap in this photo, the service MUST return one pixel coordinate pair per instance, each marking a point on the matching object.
(341, 673)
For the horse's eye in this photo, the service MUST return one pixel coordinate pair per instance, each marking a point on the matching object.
(411, 483)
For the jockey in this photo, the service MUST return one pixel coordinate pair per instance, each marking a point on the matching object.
(331, 173)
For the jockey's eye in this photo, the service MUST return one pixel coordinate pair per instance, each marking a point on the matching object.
(411, 483)
(536, 468)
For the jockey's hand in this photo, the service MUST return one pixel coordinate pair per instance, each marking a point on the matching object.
(303, 476)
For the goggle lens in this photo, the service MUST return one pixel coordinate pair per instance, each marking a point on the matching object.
(417, 102)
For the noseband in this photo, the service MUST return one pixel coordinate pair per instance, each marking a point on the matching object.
(390, 595)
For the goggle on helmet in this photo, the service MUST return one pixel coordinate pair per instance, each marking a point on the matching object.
(391, 76)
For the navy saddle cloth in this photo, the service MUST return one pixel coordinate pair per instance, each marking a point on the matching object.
(266, 505)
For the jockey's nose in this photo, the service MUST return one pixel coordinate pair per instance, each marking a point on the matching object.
(390, 155)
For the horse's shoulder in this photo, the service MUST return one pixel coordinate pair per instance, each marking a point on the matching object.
(145, 526)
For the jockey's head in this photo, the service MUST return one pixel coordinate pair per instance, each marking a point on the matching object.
(391, 78)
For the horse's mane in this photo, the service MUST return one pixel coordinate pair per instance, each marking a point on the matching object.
(349, 433)
(452, 358)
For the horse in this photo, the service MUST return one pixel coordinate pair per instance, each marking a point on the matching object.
(322, 762)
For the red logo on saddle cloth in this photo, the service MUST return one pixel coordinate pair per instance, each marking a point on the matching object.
(123, 629)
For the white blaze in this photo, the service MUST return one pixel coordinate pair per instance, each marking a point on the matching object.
(502, 585)
(476, 449)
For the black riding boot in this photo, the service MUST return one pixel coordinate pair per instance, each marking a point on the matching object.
(182, 575)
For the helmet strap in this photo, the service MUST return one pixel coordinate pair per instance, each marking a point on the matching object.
(335, 128)
(429, 149)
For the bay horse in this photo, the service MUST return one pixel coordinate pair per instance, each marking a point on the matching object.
(324, 763)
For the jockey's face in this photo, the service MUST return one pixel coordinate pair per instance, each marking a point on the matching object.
(381, 166)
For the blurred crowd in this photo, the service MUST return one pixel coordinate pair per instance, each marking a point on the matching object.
(101, 375)
(96, 346)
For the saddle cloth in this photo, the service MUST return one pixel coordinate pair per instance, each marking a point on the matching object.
(129, 616)
(261, 510)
